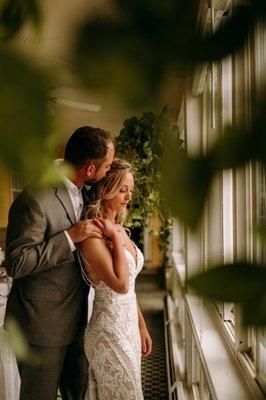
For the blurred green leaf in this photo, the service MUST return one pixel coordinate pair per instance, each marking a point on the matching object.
(54, 174)
(232, 149)
(142, 13)
(258, 140)
(240, 282)
(260, 231)
(238, 145)
(113, 57)
(18, 344)
(254, 311)
(24, 126)
(227, 39)
(16, 339)
(14, 13)
(259, 7)
(185, 182)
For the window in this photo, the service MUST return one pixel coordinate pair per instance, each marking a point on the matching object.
(237, 200)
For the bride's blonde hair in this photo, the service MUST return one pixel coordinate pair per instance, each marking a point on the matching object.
(106, 189)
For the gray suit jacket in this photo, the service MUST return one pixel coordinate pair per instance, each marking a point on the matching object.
(48, 296)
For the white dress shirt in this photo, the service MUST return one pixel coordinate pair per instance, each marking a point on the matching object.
(75, 195)
(76, 199)
(77, 202)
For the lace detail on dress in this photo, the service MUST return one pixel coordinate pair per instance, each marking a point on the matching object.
(112, 341)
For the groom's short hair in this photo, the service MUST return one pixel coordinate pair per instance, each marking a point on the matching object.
(87, 144)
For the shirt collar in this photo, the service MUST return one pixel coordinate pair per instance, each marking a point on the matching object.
(68, 183)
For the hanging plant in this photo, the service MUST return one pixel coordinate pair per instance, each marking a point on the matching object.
(141, 142)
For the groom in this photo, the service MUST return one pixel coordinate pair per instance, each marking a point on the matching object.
(48, 298)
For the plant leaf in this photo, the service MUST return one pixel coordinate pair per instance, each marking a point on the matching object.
(241, 282)
(227, 39)
(14, 14)
(18, 343)
(113, 56)
(184, 183)
(24, 139)
(232, 149)
(254, 311)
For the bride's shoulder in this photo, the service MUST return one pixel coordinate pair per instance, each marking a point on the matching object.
(96, 244)
(92, 242)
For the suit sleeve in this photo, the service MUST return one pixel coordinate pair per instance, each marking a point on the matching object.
(28, 251)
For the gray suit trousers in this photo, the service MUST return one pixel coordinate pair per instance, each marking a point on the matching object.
(59, 367)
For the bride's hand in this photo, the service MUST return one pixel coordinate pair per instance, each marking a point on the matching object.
(146, 342)
(107, 227)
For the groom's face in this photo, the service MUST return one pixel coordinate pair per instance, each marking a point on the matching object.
(105, 166)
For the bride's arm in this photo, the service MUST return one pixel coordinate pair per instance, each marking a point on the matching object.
(112, 269)
(146, 342)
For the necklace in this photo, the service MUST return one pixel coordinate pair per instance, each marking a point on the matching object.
(117, 227)
(124, 239)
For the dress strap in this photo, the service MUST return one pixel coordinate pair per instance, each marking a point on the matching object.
(86, 275)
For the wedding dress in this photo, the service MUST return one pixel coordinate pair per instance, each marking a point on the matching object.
(112, 341)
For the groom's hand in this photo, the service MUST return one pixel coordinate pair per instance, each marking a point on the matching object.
(84, 229)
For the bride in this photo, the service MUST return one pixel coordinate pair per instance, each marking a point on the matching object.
(116, 336)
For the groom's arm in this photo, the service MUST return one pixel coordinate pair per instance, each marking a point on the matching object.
(27, 249)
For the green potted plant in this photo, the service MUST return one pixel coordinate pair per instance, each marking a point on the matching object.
(141, 142)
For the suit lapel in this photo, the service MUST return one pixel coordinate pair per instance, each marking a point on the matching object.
(63, 196)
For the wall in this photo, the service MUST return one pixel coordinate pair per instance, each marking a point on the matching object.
(4, 202)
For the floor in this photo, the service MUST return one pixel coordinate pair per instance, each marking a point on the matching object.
(154, 377)
(150, 292)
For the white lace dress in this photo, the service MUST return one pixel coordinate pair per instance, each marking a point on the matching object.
(112, 341)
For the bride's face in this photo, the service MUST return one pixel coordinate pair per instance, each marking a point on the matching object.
(120, 201)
